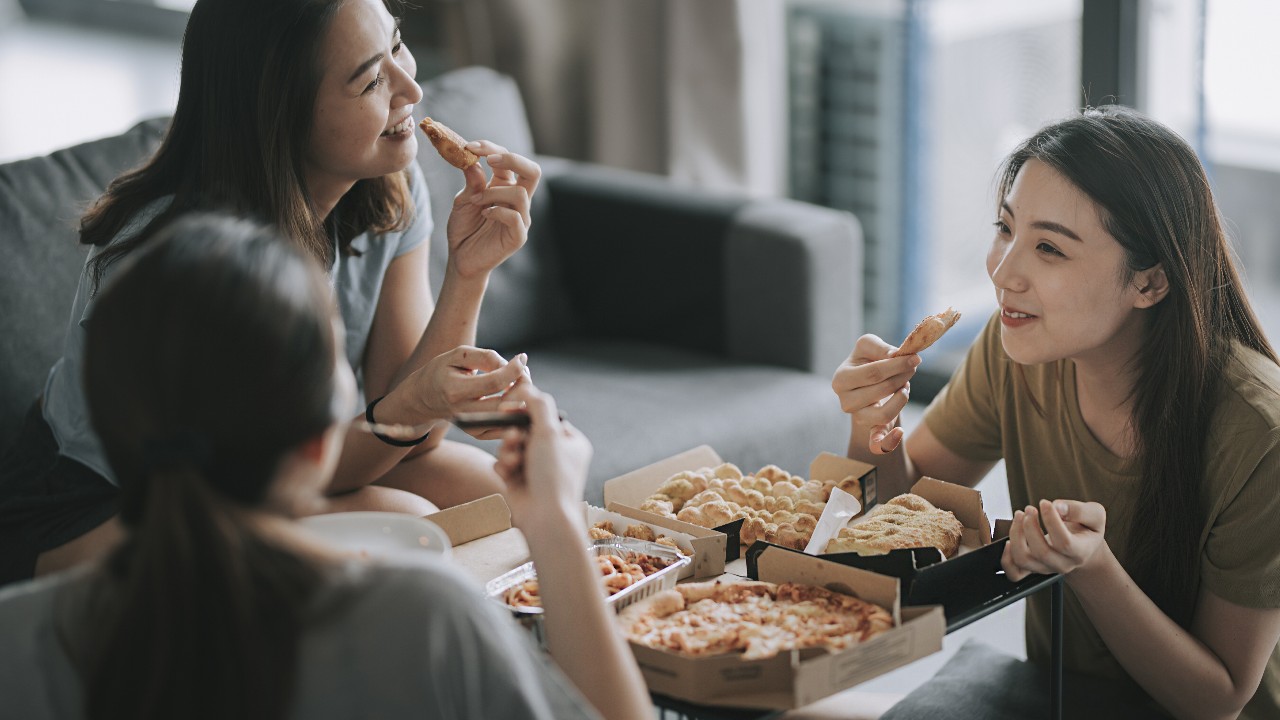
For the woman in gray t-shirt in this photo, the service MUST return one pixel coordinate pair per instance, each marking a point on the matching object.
(217, 604)
(298, 114)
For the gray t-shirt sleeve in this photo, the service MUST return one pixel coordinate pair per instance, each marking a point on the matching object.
(66, 409)
(419, 230)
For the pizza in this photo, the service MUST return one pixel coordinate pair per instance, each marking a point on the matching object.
(449, 144)
(927, 332)
(755, 619)
(777, 507)
(906, 521)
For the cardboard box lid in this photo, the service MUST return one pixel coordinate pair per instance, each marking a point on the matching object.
(829, 466)
(635, 487)
(484, 542)
(473, 520)
(965, 502)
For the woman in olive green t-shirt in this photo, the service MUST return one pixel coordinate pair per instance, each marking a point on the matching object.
(1129, 389)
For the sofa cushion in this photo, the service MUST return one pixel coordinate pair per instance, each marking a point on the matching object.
(526, 299)
(41, 201)
(640, 403)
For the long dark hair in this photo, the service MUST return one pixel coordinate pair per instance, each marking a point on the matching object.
(1155, 200)
(240, 132)
(209, 356)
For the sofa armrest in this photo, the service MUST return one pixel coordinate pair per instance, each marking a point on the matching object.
(761, 281)
(794, 281)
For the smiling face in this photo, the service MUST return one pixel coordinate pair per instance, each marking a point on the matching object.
(1060, 277)
(363, 122)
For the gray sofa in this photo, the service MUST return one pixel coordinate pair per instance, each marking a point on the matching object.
(661, 317)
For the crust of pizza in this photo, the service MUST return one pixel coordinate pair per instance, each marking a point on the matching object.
(927, 332)
(905, 521)
(449, 144)
(756, 619)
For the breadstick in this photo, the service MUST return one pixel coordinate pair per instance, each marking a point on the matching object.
(927, 332)
(449, 144)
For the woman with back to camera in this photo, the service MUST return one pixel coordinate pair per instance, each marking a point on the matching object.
(1135, 401)
(217, 604)
(298, 113)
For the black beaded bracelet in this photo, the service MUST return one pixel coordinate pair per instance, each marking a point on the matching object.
(368, 416)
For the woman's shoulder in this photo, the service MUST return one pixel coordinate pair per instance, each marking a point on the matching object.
(24, 603)
(1250, 394)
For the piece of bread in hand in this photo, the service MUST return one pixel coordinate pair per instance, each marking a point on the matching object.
(927, 332)
(449, 144)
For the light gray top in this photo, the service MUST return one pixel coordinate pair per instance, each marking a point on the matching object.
(356, 279)
(409, 641)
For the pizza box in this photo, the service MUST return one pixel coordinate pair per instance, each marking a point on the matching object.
(625, 494)
(688, 542)
(971, 579)
(798, 677)
(484, 543)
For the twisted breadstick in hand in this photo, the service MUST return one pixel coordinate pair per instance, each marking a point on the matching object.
(927, 332)
(449, 144)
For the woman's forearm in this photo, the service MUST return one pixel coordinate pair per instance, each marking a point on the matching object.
(365, 458)
(453, 321)
(582, 632)
(1172, 665)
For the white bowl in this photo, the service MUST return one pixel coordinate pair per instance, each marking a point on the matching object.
(379, 534)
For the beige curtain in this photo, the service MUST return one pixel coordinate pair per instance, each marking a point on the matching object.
(692, 89)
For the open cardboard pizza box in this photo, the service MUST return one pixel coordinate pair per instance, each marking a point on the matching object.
(625, 493)
(798, 677)
(962, 584)
(484, 543)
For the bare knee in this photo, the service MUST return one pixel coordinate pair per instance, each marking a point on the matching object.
(449, 475)
(379, 498)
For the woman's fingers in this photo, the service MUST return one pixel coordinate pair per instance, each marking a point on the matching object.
(466, 357)
(508, 168)
(472, 388)
(513, 197)
(1059, 533)
(859, 386)
(1037, 545)
(1022, 539)
(1014, 549)
(510, 458)
(513, 169)
(885, 439)
(506, 216)
(1091, 515)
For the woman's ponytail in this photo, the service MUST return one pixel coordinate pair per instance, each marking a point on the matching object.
(200, 618)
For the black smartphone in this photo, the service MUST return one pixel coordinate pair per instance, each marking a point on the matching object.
(513, 418)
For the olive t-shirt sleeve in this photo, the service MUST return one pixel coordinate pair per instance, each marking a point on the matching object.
(965, 416)
(1240, 563)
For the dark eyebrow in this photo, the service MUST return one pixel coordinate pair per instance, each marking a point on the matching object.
(373, 60)
(1048, 225)
(364, 66)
